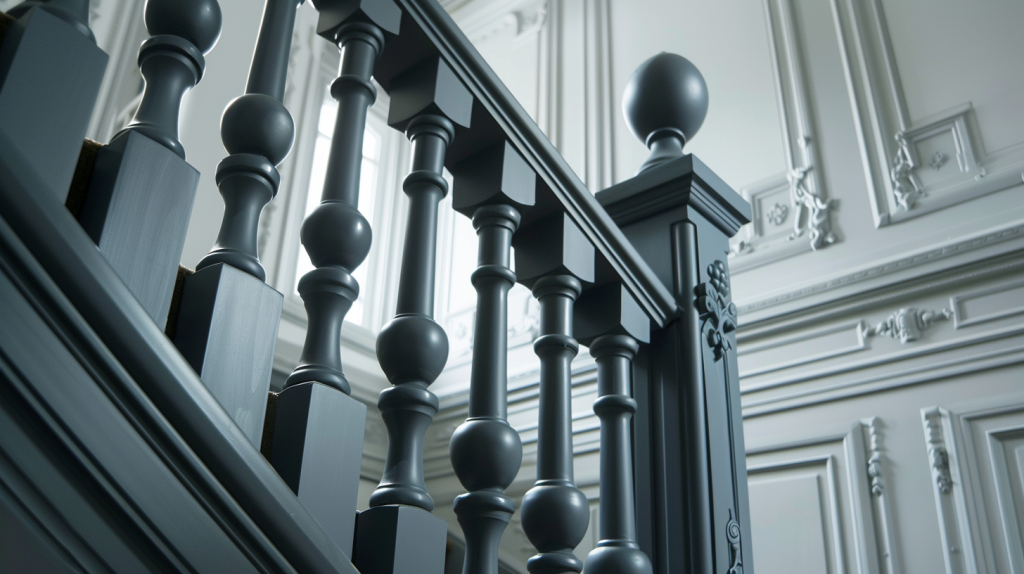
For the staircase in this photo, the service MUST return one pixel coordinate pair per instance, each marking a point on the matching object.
(137, 430)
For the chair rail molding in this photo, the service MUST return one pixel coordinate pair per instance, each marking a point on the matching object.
(791, 211)
(911, 167)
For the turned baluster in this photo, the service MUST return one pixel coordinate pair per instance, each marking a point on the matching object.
(258, 132)
(553, 257)
(139, 200)
(492, 186)
(50, 76)
(318, 427)
(612, 324)
(228, 317)
(427, 102)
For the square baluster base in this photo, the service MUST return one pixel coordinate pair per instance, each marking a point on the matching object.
(50, 75)
(137, 211)
(318, 451)
(399, 540)
(227, 330)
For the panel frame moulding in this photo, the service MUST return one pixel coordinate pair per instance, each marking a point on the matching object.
(900, 185)
(875, 550)
(809, 208)
(949, 434)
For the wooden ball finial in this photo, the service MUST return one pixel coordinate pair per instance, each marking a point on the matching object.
(665, 103)
(198, 21)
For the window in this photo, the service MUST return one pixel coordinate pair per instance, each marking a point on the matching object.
(368, 189)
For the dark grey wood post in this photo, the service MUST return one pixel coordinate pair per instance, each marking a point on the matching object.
(611, 323)
(318, 428)
(492, 186)
(139, 202)
(553, 257)
(50, 75)
(691, 484)
(228, 317)
(427, 102)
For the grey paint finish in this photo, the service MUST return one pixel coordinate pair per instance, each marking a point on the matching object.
(165, 400)
(227, 330)
(50, 75)
(318, 447)
(400, 540)
(137, 212)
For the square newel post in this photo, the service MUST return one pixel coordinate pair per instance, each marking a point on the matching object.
(691, 482)
(139, 201)
(50, 75)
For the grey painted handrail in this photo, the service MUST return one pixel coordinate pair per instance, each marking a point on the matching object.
(617, 551)
(172, 63)
(520, 129)
(336, 236)
(258, 132)
(555, 513)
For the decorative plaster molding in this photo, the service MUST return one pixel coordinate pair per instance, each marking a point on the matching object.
(818, 223)
(875, 458)
(908, 323)
(971, 243)
(778, 213)
(937, 454)
(899, 185)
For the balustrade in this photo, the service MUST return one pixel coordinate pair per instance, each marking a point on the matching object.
(139, 201)
(228, 318)
(317, 427)
(492, 187)
(50, 76)
(611, 324)
(553, 257)
(427, 102)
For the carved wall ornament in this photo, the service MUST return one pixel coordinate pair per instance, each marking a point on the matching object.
(715, 308)
(778, 213)
(937, 454)
(938, 160)
(905, 186)
(818, 224)
(875, 460)
(908, 323)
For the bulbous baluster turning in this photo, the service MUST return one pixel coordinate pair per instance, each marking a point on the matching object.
(335, 235)
(492, 186)
(172, 63)
(258, 132)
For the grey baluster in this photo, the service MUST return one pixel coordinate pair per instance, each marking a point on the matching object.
(139, 202)
(612, 324)
(553, 257)
(50, 76)
(228, 317)
(492, 186)
(318, 428)
(398, 531)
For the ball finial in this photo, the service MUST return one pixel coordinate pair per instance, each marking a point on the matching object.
(198, 21)
(664, 104)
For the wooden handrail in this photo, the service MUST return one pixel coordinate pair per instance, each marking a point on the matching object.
(520, 129)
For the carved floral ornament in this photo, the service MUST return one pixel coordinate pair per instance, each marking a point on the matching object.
(818, 224)
(908, 323)
(715, 308)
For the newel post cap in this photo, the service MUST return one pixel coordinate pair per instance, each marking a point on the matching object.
(664, 104)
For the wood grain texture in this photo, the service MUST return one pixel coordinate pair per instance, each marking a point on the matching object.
(50, 76)
(227, 330)
(137, 211)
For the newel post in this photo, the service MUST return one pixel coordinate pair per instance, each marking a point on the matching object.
(398, 533)
(228, 317)
(50, 76)
(491, 186)
(554, 258)
(691, 482)
(611, 323)
(139, 200)
(317, 427)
